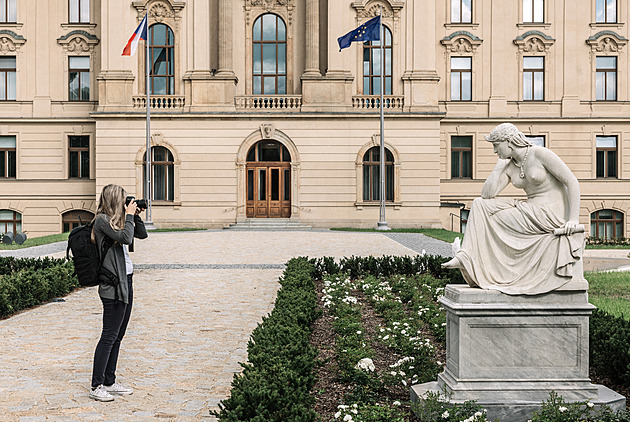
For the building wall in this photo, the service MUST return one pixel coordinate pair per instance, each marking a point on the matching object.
(212, 119)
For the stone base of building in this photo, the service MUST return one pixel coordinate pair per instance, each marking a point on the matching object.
(519, 410)
(510, 352)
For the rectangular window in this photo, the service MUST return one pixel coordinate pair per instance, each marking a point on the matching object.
(606, 147)
(461, 157)
(79, 156)
(533, 78)
(606, 11)
(606, 78)
(79, 11)
(461, 78)
(7, 78)
(79, 78)
(8, 11)
(533, 11)
(536, 139)
(461, 11)
(8, 162)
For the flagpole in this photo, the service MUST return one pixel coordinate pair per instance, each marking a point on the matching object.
(382, 224)
(148, 137)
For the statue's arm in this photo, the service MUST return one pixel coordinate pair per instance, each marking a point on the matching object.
(497, 181)
(558, 169)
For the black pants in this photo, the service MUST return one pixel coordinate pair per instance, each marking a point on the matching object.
(115, 319)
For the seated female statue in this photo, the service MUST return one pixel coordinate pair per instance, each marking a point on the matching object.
(523, 246)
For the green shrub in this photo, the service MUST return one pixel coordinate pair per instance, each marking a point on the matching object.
(29, 282)
(275, 385)
(610, 346)
(557, 410)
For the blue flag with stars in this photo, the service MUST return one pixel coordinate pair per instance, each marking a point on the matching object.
(369, 31)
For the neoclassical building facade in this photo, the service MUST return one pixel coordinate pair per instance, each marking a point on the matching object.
(256, 114)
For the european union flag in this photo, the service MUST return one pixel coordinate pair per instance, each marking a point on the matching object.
(369, 31)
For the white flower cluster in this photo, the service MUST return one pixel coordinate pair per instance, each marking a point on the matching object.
(347, 411)
(366, 364)
(474, 417)
(405, 333)
(336, 291)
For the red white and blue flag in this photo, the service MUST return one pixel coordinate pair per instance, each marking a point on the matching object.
(139, 34)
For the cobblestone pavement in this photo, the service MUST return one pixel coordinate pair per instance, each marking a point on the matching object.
(198, 297)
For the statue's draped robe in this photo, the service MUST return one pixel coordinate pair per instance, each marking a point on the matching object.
(510, 246)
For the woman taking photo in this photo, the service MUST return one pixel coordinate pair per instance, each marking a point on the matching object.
(115, 226)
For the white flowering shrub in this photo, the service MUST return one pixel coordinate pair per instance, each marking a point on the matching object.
(555, 409)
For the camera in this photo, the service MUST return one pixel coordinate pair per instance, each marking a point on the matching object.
(141, 203)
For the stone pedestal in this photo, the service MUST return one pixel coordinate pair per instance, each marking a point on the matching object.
(509, 352)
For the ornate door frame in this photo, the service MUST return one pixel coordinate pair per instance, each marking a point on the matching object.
(266, 132)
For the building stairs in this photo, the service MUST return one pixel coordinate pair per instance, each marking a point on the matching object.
(268, 224)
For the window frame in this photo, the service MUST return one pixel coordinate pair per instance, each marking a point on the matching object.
(6, 150)
(82, 74)
(7, 18)
(260, 44)
(170, 54)
(168, 173)
(460, 72)
(81, 152)
(606, 18)
(534, 137)
(533, 72)
(460, 152)
(73, 219)
(80, 18)
(595, 221)
(370, 165)
(461, 18)
(533, 20)
(15, 221)
(606, 153)
(5, 72)
(605, 72)
(371, 78)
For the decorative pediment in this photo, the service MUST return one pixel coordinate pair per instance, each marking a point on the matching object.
(159, 10)
(372, 8)
(78, 41)
(461, 42)
(534, 42)
(10, 42)
(284, 8)
(606, 42)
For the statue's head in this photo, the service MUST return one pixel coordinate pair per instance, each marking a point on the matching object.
(510, 133)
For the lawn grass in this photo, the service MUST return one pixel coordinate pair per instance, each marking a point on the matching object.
(440, 234)
(36, 241)
(610, 291)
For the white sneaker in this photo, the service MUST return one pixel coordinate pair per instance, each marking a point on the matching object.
(101, 394)
(116, 388)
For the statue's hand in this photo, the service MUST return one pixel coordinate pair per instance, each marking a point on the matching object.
(570, 227)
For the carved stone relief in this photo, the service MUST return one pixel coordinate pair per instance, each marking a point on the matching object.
(533, 45)
(462, 45)
(283, 7)
(607, 45)
(6, 45)
(267, 130)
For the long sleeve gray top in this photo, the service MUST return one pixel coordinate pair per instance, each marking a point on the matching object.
(114, 259)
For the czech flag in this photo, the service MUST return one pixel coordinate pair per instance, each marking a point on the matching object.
(139, 34)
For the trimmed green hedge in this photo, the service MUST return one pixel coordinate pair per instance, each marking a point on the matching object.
(610, 346)
(31, 281)
(276, 382)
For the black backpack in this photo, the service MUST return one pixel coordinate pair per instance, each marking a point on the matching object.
(85, 254)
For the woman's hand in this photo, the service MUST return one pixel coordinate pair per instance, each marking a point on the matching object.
(572, 226)
(131, 208)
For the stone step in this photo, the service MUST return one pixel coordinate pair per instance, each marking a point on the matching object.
(270, 224)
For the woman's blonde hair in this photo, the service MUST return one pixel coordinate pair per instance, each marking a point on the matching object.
(112, 204)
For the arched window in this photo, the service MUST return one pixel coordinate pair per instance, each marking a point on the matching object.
(372, 65)
(270, 55)
(163, 174)
(607, 224)
(10, 221)
(75, 218)
(371, 175)
(161, 56)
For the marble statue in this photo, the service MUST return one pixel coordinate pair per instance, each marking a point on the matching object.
(528, 246)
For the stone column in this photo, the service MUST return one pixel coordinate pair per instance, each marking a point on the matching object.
(312, 38)
(225, 38)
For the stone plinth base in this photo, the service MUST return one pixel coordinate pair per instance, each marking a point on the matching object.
(519, 410)
(510, 352)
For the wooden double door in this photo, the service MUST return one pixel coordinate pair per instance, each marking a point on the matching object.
(268, 190)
